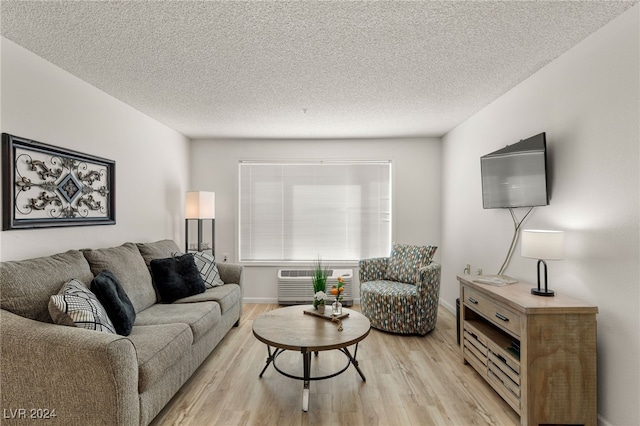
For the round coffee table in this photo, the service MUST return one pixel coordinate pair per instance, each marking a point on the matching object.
(291, 329)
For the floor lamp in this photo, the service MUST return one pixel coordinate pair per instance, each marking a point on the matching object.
(200, 206)
(543, 245)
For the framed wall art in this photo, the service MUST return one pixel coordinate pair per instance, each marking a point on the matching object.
(45, 186)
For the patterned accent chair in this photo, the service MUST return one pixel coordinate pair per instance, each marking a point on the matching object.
(400, 293)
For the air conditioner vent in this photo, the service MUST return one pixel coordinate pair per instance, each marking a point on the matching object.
(300, 272)
(295, 287)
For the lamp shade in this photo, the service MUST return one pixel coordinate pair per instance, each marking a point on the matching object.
(546, 245)
(200, 205)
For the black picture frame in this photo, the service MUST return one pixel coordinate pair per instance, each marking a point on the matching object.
(45, 186)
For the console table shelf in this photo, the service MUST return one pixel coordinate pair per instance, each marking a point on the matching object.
(537, 353)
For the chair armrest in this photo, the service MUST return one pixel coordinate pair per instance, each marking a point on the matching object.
(87, 377)
(429, 280)
(373, 269)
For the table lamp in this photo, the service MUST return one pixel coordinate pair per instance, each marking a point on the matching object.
(542, 245)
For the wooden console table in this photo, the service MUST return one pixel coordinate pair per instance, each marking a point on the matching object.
(538, 353)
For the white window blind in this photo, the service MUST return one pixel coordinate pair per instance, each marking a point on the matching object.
(299, 211)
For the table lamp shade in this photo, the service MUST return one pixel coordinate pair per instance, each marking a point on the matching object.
(200, 205)
(547, 245)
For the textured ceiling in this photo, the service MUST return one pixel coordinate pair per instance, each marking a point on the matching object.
(304, 69)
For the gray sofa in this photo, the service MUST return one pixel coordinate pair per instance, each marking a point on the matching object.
(86, 377)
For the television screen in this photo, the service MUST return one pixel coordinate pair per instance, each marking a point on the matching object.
(516, 176)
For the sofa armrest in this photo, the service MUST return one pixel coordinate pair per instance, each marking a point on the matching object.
(373, 269)
(81, 376)
(231, 273)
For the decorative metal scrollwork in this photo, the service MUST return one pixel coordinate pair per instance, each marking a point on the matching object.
(54, 187)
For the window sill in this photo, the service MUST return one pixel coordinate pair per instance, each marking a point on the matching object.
(301, 265)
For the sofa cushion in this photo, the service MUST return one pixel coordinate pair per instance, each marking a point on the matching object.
(208, 269)
(159, 347)
(176, 277)
(77, 306)
(115, 301)
(157, 250)
(27, 285)
(406, 260)
(129, 268)
(200, 317)
(227, 296)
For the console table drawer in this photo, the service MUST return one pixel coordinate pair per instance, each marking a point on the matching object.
(494, 312)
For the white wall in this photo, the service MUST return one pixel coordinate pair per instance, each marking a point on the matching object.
(587, 101)
(416, 189)
(45, 103)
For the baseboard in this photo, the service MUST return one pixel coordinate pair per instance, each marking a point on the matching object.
(261, 300)
(603, 422)
(449, 307)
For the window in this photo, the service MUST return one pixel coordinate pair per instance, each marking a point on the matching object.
(297, 211)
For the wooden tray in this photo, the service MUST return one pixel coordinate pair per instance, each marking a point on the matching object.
(327, 314)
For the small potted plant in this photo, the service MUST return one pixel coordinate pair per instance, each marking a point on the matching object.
(319, 281)
(319, 300)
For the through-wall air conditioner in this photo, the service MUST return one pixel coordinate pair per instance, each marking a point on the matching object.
(295, 286)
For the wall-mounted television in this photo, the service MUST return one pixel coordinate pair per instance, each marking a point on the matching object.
(516, 176)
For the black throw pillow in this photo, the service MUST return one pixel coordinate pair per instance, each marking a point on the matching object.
(176, 277)
(115, 301)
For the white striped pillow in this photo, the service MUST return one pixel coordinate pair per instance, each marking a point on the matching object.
(76, 306)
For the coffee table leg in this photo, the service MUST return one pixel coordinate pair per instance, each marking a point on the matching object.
(269, 359)
(306, 365)
(353, 361)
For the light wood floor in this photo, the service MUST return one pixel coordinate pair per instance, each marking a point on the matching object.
(411, 380)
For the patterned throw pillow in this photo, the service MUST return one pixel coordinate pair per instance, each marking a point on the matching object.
(208, 269)
(406, 260)
(76, 306)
